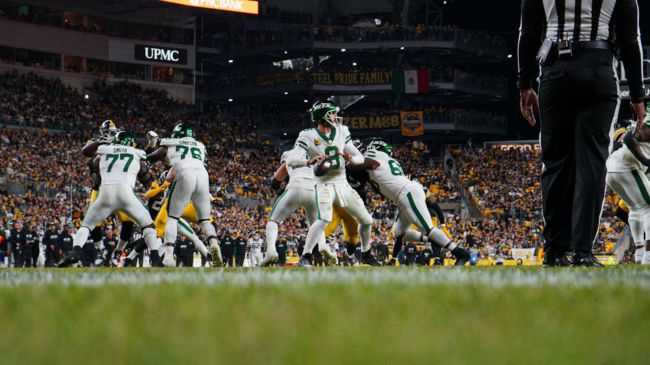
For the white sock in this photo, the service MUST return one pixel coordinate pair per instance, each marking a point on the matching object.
(171, 230)
(412, 235)
(439, 237)
(151, 239)
(322, 243)
(646, 258)
(271, 233)
(639, 253)
(314, 235)
(99, 245)
(81, 237)
(364, 235)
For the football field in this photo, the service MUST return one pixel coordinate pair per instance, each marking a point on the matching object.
(506, 315)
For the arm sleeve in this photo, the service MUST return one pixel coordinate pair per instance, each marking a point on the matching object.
(531, 32)
(628, 39)
(357, 157)
(297, 158)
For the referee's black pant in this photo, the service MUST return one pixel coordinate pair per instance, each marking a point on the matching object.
(578, 104)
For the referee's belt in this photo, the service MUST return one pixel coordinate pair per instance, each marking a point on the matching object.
(566, 49)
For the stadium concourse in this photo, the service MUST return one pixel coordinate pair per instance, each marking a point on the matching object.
(45, 124)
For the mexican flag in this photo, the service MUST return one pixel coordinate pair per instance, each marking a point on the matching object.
(411, 81)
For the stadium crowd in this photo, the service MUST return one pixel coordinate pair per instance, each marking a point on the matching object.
(46, 123)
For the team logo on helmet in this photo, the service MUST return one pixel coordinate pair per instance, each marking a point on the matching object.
(123, 138)
(379, 145)
(182, 130)
(325, 113)
(108, 129)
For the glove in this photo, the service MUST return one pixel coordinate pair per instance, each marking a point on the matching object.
(152, 139)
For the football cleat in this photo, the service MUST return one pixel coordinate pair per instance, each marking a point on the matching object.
(351, 259)
(328, 257)
(217, 259)
(269, 259)
(100, 260)
(115, 260)
(155, 260)
(368, 259)
(129, 262)
(70, 258)
(304, 262)
(462, 256)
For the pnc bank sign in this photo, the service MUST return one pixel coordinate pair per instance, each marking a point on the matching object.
(175, 56)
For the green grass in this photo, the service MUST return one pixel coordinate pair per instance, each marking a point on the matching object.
(362, 315)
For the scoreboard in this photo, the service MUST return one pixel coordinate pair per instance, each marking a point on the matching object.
(237, 6)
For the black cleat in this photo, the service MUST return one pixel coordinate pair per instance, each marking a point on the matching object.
(155, 260)
(585, 259)
(368, 259)
(462, 256)
(70, 258)
(392, 262)
(128, 262)
(552, 259)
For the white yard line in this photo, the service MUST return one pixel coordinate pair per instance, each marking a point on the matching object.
(500, 278)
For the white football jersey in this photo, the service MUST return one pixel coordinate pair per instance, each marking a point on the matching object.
(315, 143)
(388, 176)
(119, 164)
(256, 245)
(622, 160)
(301, 176)
(184, 154)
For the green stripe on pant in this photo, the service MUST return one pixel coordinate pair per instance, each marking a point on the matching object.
(641, 185)
(423, 222)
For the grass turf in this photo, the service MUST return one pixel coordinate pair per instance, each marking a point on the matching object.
(357, 315)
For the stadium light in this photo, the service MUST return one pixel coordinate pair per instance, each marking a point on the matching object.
(306, 101)
(86, 96)
(231, 61)
(354, 63)
(343, 49)
(510, 56)
(285, 52)
(286, 93)
(401, 48)
(230, 100)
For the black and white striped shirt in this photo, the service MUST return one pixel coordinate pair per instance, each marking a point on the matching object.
(582, 20)
(616, 21)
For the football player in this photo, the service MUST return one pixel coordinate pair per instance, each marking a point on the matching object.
(191, 184)
(156, 198)
(386, 173)
(357, 180)
(107, 132)
(331, 140)
(626, 176)
(299, 192)
(120, 165)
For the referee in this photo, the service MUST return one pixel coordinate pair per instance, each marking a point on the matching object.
(574, 42)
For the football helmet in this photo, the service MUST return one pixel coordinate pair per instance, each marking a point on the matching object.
(123, 138)
(359, 145)
(379, 145)
(325, 113)
(182, 130)
(108, 130)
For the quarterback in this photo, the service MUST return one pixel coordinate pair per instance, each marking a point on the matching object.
(331, 140)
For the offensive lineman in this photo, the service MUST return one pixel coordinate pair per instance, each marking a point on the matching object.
(626, 176)
(187, 157)
(387, 174)
(120, 164)
(299, 192)
(330, 139)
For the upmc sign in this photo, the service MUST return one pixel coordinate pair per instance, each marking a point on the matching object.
(176, 56)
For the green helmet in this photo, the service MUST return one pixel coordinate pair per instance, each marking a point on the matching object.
(182, 130)
(325, 113)
(379, 145)
(123, 138)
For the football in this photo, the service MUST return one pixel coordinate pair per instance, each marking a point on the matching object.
(323, 167)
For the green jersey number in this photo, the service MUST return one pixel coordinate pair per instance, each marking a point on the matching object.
(121, 156)
(395, 168)
(333, 153)
(196, 153)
